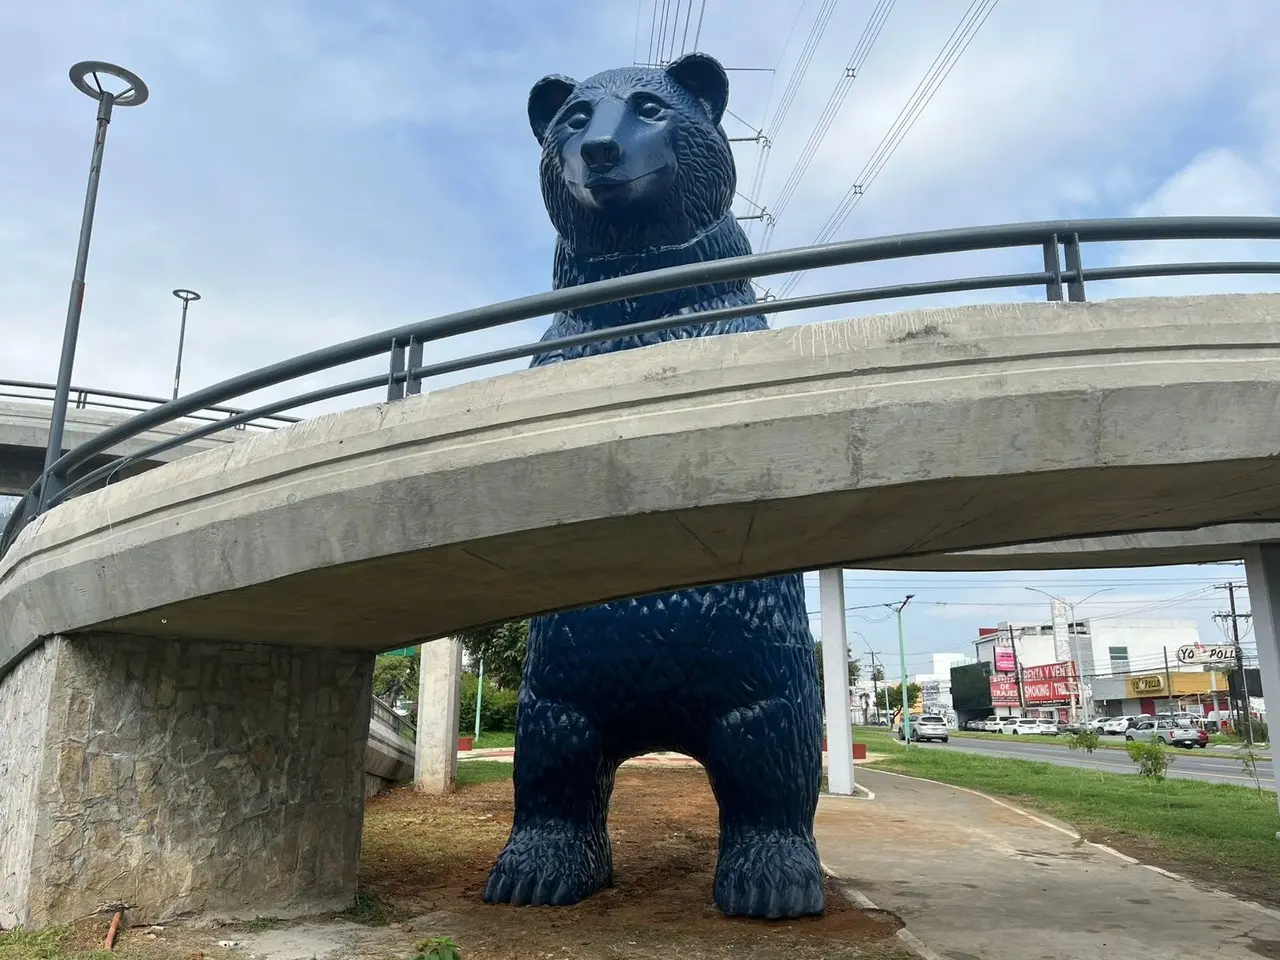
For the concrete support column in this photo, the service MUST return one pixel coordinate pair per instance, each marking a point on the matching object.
(1262, 567)
(439, 693)
(180, 778)
(835, 671)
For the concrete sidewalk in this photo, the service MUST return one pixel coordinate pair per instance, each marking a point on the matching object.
(975, 879)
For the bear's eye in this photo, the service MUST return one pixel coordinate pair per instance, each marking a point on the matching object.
(578, 118)
(649, 110)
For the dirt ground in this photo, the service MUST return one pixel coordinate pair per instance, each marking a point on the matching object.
(428, 855)
(424, 864)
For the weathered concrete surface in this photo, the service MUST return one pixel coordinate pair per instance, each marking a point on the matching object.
(690, 462)
(24, 435)
(1218, 544)
(439, 700)
(971, 878)
(388, 757)
(215, 779)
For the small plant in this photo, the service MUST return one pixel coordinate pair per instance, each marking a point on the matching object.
(1085, 739)
(1249, 759)
(1152, 757)
(437, 948)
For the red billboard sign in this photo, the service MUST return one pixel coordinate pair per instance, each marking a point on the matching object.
(1004, 692)
(1005, 660)
(1050, 683)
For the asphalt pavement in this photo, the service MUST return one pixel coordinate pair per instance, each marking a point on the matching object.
(1208, 765)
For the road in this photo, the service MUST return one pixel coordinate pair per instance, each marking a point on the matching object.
(1207, 765)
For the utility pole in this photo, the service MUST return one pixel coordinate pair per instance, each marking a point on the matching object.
(1245, 717)
(902, 664)
(1168, 682)
(1017, 674)
(875, 684)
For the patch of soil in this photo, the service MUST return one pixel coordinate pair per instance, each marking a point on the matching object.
(1251, 883)
(429, 857)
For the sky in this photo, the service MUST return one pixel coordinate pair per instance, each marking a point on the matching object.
(322, 170)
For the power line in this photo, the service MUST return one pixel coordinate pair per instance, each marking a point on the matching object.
(870, 33)
(802, 65)
(925, 91)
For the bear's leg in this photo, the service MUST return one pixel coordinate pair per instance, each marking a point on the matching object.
(765, 766)
(558, 851)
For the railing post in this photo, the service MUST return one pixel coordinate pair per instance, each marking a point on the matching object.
(1075, 286)
(395, 381)
(1052, 265)
(413, 385)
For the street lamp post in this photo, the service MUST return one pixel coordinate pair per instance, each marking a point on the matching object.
(186, 296)
(1074, 641)
(134, 94)
(902, 664)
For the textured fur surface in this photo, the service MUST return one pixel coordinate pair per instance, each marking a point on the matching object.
(637, 174)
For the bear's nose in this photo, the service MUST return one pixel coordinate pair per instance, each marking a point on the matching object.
(601, 153)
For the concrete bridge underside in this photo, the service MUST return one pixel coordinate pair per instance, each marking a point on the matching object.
(272, 569)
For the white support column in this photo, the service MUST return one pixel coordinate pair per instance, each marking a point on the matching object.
(1262, 568)
(835, 670)
(439, 689)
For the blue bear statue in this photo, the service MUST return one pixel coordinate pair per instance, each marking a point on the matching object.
(637, 173)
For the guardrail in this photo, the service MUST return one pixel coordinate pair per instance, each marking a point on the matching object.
(381, 710)
(1062, 274)
(84, 397)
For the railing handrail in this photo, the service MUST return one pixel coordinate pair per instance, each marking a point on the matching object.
(1048, 234)
(89, 393)
(386, 713)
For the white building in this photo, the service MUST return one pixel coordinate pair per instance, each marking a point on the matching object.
(935, 687)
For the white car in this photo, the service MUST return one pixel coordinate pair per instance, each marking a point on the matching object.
(927, 727)
(1020, 725)
(1118, 725)
(1047, 727)
(992, 724)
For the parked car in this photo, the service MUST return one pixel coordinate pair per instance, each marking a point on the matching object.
(927, 726)
(992, 724)
(1020, 725)
(1118, 725)
(1168, 730)
(1047, 727)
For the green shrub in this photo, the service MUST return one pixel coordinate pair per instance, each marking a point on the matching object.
(1152, 757)
(497, 707)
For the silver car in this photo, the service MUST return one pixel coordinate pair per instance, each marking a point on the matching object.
(927, 726)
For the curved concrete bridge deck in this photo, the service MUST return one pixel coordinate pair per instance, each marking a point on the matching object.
(839, 443)
(190, 650)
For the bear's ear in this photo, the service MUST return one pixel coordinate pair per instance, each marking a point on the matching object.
(545, 100)
(703, 76)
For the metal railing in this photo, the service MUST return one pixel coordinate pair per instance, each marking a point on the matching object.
(1062, 275)
(83, 398)
(381, 710)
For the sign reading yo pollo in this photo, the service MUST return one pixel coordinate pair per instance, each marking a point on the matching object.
(1199, 653)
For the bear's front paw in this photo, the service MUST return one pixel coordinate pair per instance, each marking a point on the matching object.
(550, 866)
(769, 876)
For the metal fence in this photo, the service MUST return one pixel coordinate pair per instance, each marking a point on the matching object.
(381, 710)
(1063, 276)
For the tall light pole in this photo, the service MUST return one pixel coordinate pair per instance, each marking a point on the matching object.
(1073, 639)
(186, 296)
(902, 663)
(134, 94)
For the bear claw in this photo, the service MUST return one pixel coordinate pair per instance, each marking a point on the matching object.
(770, 878)
(554, 871)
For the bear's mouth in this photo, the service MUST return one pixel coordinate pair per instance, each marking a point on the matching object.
(604, 184)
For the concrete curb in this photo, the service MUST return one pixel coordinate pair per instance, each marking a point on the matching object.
(908, 939)
(1061, 828)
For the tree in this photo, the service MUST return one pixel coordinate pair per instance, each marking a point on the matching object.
(502, 647)
(877, 673)
(395, 677)
(895, 695)
(855, 668)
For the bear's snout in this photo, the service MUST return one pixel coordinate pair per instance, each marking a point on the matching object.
(601, 154)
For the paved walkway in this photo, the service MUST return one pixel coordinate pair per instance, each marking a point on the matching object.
(977, 880)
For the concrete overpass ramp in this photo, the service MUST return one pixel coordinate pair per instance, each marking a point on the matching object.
(851, 443)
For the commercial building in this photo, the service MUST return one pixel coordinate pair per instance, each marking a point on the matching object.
(1087, 668)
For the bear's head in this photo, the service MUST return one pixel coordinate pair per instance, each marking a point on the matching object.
(635, 158)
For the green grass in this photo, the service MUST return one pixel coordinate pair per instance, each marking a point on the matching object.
(498, 738)
(50, 944)
(1222, 833)
(483, 771)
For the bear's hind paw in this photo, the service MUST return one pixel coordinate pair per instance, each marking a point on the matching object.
(770, 878)
(540, 870)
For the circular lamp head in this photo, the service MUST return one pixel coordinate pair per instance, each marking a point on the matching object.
(85, 76)
(186, 296)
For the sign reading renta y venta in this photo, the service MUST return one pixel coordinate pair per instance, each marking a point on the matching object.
(1050, 683)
